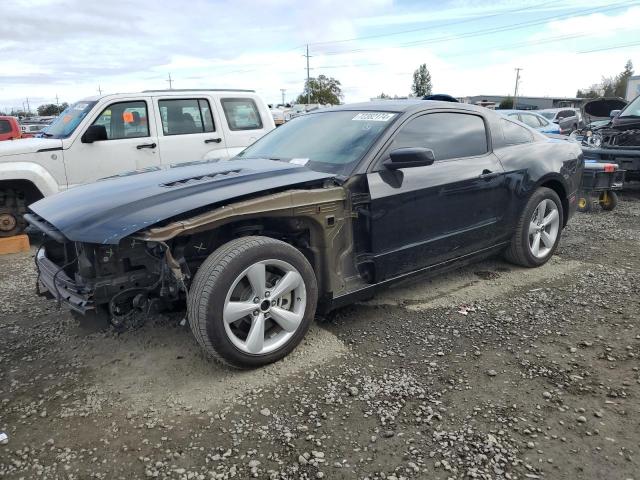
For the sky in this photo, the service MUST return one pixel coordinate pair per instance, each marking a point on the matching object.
(74, 48)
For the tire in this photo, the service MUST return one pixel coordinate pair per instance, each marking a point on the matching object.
(608, 200)
(521, 251)
(223, 280)
(584, 203)
(12, 207)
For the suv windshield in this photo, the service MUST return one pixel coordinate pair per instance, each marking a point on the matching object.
(633, 109)
(330, 142)
(68, 121)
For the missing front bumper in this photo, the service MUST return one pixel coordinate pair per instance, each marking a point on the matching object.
(54, 283)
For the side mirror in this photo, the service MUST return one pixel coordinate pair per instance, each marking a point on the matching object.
(95, 133)
(409, 157)
(614, 113)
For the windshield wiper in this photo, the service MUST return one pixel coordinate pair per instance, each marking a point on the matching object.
(45, 134)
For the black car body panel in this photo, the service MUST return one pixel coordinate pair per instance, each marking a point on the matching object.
(359, 232)
(107, 211)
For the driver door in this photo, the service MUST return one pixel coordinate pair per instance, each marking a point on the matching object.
(132, 143)
(426, 215)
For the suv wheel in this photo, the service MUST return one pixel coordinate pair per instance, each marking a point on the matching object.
(12, 206)
(252, 301)
(538, 230)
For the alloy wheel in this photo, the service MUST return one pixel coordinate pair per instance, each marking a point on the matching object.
(264, 307)
(544, 228)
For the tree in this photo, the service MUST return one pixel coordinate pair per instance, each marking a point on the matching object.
(620, 88)
(49, 109)
(506, 103)
(383, 96)
(591, 92)
(324, 90)
(421, 81)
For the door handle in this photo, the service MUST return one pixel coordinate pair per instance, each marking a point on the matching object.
(488, 174)
(213, 140)
(146, 145)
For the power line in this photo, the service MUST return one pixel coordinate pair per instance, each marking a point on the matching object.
(488, 31)
(613, 47)
(447, 24)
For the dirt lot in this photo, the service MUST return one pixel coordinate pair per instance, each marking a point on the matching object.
(488, 372)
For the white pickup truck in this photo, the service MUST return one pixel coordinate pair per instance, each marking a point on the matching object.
(110, 134)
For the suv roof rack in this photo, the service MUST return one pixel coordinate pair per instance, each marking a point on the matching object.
(199, 90)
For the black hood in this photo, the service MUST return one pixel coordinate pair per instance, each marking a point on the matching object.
(602, 107)
(111, 209)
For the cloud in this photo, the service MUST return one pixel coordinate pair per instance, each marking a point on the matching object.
(70, 47)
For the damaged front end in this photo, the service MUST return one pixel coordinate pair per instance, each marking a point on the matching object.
(126, 281)
(614, 140)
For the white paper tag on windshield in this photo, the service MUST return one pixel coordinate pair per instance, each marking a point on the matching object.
(374, 117)
(299, 161)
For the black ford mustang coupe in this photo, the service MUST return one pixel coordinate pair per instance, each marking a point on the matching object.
(321, 212)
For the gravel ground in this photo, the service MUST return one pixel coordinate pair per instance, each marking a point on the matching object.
(491, 371)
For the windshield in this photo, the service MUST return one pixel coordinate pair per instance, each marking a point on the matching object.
(68, 121)
(633, 109)
(330, 142)
(548, 115)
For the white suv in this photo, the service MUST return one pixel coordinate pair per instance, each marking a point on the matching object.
(103, 136)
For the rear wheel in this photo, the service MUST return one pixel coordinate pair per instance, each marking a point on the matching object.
(538, 230)
(12, 207)
(252, 301)
(608, 200)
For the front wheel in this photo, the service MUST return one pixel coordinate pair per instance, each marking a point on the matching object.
(252, 301)
(538, 230)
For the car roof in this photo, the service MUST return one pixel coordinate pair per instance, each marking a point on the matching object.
(95, 98)
(403, 106)
(535, 112)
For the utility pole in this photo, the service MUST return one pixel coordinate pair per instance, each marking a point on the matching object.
(57, 104)
(99, 90)
(308, 86)
(170, 82)
(28, 107)
(515, 92)
(282, 90)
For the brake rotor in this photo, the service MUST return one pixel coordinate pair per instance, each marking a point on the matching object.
(7, 222)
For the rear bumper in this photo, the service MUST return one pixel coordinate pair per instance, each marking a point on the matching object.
(54, 283)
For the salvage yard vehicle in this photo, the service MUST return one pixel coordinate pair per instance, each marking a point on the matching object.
(9, 128)
(568, 119)
(534, 120)
(110, 134)
(617, 141)
(319, 213)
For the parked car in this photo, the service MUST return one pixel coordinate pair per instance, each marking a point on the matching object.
(319, 213)
(568, 119)
(617, 141)
(9, 128)
(107, 135)
(533, 120)
(32, 129)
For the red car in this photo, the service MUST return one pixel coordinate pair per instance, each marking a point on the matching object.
(9, 128)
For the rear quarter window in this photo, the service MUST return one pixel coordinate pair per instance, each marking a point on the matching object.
(515, 134)
(241, 113)
(5, 126)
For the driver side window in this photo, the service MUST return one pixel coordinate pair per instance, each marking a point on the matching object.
(449, 135)
(125, 120)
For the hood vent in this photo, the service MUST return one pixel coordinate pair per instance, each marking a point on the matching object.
(200, 178)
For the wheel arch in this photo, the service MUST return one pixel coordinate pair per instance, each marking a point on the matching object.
(558, 186)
